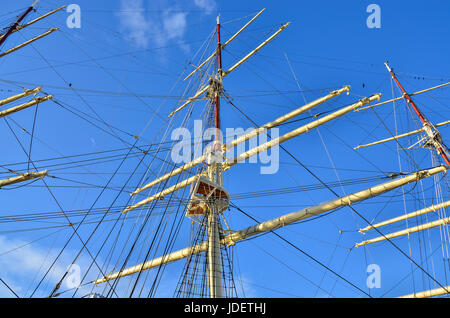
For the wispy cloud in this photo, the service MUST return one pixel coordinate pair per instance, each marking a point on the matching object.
(26, 264)
(134, 23)
(142, 27)
(174, 25)
(209, 6)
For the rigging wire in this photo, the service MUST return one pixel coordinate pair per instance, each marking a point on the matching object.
(306, 254)
(357, 213)
(29, 152)
(10, 289)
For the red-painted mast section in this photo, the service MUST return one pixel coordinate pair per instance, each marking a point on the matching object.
(426, 124)
(16, 24)
(219, 73)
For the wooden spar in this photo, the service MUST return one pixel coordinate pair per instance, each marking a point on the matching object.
(279, 222)
(184, 253)
(175, 172)
(284, 118)
(190, 100)
(17, 108)
(259, 47)
(429, 209)
(244, 138)
(400, 136)
(406, 231)
(205, 88)
(23, 177)
(225, 44)
(19, 96)
(20, 27)
(429, 293)
(28, 42)
(331, 205)
(399, 98)
(300, 130)
(261, 148)
(160, 195)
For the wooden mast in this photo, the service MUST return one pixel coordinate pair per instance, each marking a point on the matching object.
(206, 87)
(215, 175)
(13, 27)
(225, 44)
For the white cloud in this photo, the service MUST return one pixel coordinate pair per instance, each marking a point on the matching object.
(22, 268)
(157, 29)
(174, 24)
(134, 23)
(25, 266)
(208, 5)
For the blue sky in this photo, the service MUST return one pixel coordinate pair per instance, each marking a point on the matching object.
(123, 68)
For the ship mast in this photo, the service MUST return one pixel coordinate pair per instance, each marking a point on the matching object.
(433, 134)
(215, 175)
(14, 26)
(21, 177)
(209, 198)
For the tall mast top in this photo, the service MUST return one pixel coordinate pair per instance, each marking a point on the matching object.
(387, 66)
(434, 137)
(219, 73)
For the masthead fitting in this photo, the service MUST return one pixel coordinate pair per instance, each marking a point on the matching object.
(387, 66)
